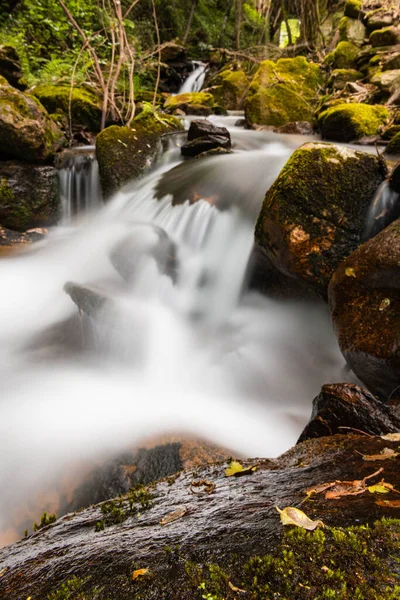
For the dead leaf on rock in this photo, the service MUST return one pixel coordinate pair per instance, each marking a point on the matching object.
(383, 487)
(202, 485)
(236, 589)
(338, 489)
(235, 469)
(174, 516)
(139, 573)
(350, 272)
(391, 437)
(384, 455)
(294, 516)
(389, 503)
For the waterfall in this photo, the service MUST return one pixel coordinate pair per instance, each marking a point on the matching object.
(79, 183)
(195, 81)
(384, 209)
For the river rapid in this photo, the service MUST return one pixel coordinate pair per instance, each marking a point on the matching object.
(196, 354)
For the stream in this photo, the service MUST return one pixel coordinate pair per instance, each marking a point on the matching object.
(195, 352)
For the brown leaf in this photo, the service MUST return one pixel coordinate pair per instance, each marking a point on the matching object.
(139, 573)
(174, 516)
(389, 503)
(294, 516)
(384, 455)
(391, 437)
(338, 489)
(208, 486)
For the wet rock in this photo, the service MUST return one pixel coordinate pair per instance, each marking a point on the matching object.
(314, 214)
(125, 153)
(10, 66)
(296, 128)
(9, 238)
(145, 240)
(203, 128)
(204, 136)
(364, 300)
(192, 103)
(393, 146)
(28, 195)
(214, 152)
(225, 525)
(173, 52)
(273, 97)
(88, 299)
(394, 181)
(26, 130)
(345, 405)
(348, 122)
(229, 88)
(240, 123)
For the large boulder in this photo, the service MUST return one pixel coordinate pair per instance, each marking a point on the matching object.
(344, 56)
(387, 82)
(340, 77)
(353, 8)
(364, 299)
(125, 153)
(348, 122)
(84, 105)
(26, 130)
(314, 214)
(10, 66)
(388, 36)
(229, 89)
(28, 195)
(192, 103)
(379, 18)
(283, 92)
(352, 30)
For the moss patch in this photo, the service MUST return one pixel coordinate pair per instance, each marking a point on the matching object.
(353, 8)
(229, 89)
(386, 36)
(394, 145)
(343, 57)
(340, 77)
(203, 98)
(283, 92)
(352, 30)
(347, 122)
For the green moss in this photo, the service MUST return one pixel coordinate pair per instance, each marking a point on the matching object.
(74, 589)
(347, 122)
(229, 89)
(340, 77)
(16, 214)
(45, 520)
(384, 37)
(203, 98)
(85, 106)
(351, 30)
(283, 92)
(118, 510)
(353, 8)
(394, 145)
(343, 57)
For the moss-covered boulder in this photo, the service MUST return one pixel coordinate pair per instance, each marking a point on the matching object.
(125, 153)
(387, 36)
(352, 30)
(364, 298)
(393, 146)
(26, 130)
(191, 103)
(283, 92)
(343, 57)
(348, 122)
(28, 195)
(387, 82)
(353, 8)
(391, 62)
(340, 77)
(229, 89)
(10, 66)
(85, 105)
(379, 18)
(313, 215)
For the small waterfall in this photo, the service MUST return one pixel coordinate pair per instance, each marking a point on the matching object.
(79, 183)
(384, 209)
(195, 81)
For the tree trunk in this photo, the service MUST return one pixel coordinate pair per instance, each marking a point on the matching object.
(238, 22)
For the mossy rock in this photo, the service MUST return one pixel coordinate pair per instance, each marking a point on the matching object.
(26, 130)
(343, 57)
(379, 18)
(126, 153)
(387, 36)
(314, 214)
(352, 30)
(353, 8)
(394, 145)
(229, 89)
(340, 77)
(28, 195)
(188, 101)
(348, 122)
(387, 81)
(283, 92)
(10, 66)
(85, 105)
(391, 62)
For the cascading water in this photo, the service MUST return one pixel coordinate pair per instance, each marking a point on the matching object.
(157, 348)
(384, 209)
(195, 81)
(79, 183)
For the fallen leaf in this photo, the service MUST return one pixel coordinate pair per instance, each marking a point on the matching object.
(139, 573)
(350, 272)
(384, 455)
(235, 469)
(338, 489)
(391, 437)
(174, 516)
(389, 503)
(383, 487)
(318, 489)
(208, 486)
(384, 304)
(236, 589)
(294, 516)
(3, 571)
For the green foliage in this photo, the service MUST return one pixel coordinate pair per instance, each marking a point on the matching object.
(45, 520)
(118, 510)
(73, 589)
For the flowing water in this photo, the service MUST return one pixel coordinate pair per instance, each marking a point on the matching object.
(195, 81)
(384, 209)
(178, 349)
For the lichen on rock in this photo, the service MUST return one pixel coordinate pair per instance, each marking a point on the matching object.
(229, 88)
(348, 122)
(344, 56)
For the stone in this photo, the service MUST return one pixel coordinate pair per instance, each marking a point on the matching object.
(348, 122)
(28, 195)
(229, 89)
(340, 77)
(388, 36)
(296, 128)
(353, 8)
(364, 301)
(10, 66)
(391, 62)
(343, 57)
(347, 408)
(393, 146)
(394, 181)
(26, 130)
(283, 92)
(88, 298)
(379, 19)
(352, 30)
(172, 52)
(192, 103)
(13, 239)
(314, 214)
(202, 128)
(204, 144)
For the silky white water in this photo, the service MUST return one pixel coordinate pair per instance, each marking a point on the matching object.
(194, 354)
(194, 82)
